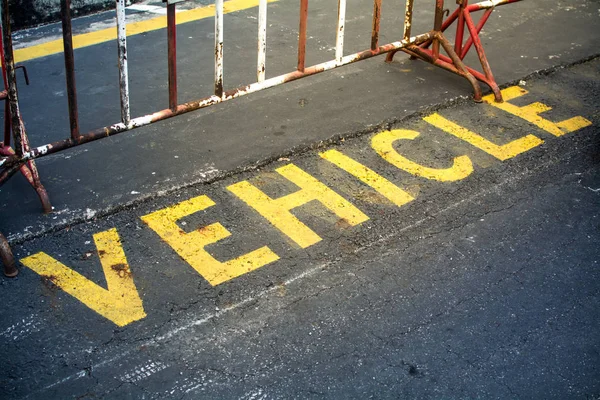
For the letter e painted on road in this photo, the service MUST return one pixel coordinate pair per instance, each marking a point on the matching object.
(190, 246)
(383, 144)
(501, 152)
(119, 302)
(531, 113)
(277, 211)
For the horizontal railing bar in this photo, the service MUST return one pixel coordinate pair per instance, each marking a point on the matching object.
(211, 100)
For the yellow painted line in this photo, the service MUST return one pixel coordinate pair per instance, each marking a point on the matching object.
(531, 113)
(277, 211)
(120, 302)
(190, 246)
(383, 144)
(501, 152)
(134, 28)
(366, 175)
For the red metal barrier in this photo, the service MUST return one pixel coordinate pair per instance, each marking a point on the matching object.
(22, 156)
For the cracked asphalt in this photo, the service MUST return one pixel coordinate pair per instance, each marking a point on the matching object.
(449, 249)
(486, 287)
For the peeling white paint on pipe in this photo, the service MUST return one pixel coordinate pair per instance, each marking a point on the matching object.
(341, 25)
(219, 48)
(123, 69)
(262, 41)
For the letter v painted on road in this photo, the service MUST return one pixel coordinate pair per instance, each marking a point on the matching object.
(119, 302)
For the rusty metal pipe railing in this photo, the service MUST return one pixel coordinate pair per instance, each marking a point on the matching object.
(262, 41)
(219, 48)
(65, 6)
(172, 54)
(376, 21)
(123, 65)
(341, 27)
(211, 100)
(302, 35)
(452, 62)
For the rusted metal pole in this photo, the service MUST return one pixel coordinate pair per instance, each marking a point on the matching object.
(341, 26)
(460, 30)
(437, 26)
(18, 131)
(375, 29)
(480, 24)
(123, 68)
(7, 132)
(408, 13)
(219, 48)
(6, 255)
(302, 35)
(172, 54)
(65, 6)
(262, 41)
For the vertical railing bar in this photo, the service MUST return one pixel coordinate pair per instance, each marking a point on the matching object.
(172, 54)
(262, 41)
(302, 35)
(408, 19)
(437, 27)
(13, 99)
(375, 30)
(219, 48)
(70, 68)
(123, 68)
(341, 25)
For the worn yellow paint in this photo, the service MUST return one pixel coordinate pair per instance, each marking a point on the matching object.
(383, 144)
(501, 152)
(277, 211)
(190, 246)
(383, 186)
(120, 302)
(531, 113)
(134, 28)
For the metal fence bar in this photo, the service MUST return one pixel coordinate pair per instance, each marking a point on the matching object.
(341, 26)
(302, 35)
(209, 101)
(70, 67)
(408, 13)
(219, 48)
(13, 100)
(376, 19)
(123, 69)
(262, 41)
(172, 54)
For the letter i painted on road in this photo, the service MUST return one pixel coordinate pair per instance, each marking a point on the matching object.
(366, 175)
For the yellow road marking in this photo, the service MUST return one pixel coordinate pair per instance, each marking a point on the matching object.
(531, 113)
(384, 187)
(383, 144)
(501, 152)
(277, 211)
(190, 246)
(134, 28)
(120, 302)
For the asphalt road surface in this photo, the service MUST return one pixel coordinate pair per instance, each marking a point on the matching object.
(435, 249)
